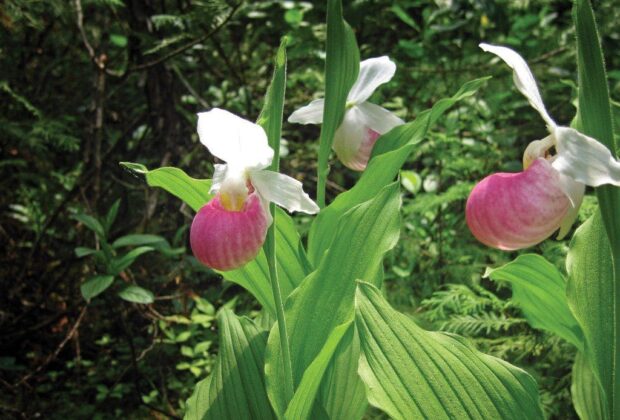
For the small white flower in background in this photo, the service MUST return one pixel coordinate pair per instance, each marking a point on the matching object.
(363, 122)
(230, 229)
(513, 211)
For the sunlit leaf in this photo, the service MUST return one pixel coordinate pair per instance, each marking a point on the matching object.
(236, 387)
(411, 373)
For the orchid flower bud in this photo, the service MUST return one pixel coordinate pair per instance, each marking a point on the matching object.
(513, 211)
(363, 123)
(229, 230)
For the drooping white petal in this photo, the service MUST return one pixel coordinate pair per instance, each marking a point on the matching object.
(584, 159)
(350, 136)
(523, 79)
(574, 191)
(378, 118)
(234, 140)
(373, 73)
(283, 190)
(219, 172)
(309, 114)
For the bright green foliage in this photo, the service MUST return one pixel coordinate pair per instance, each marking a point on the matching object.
(590, 296)
(136, 294)
(539, 289)
(341, 69)
(411, 373)
(194, 192)
(388, 156)
(291, 260)
(236, 388)
(586, 391)
(325, 298)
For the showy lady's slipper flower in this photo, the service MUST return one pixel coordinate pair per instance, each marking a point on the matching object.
(363, 122)
(230, 229)
(518, 210)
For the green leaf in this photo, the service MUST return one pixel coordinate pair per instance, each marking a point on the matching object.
(136, 294)
(236, 387)
(81, 251)
(590, 293)
(411, 373)
(586, 391)
(91, 223)
(137, 239)
(341, 69)
(388, 156)
(194, 192)
(121, 263)
(111, 215)
(291, 262)
(539, 289)
(596, 121)
(301, 405)
(411, 181)
(95, 286)
(324, 299)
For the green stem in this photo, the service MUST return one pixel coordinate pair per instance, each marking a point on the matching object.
(322, 179)
(277, 297)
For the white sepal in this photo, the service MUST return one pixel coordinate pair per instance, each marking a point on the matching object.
(378, 118)
(309, 114)
(584, 159)
(373, 73)
(219, 172)
(574, 191)
(234, 140)
(523, 79)
(282, 190)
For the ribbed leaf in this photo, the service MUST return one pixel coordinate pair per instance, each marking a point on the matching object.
(301, 405)
(411, 373)
(194, 192)
(389, 154)
(324, 300)
(342, 393)
(236, 388)
(539, 289)
(341, 69)
(596, 121)
(586, 391)
(590, 293)
(292, 263)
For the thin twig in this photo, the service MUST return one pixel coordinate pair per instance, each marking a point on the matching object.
(187, 46)
(56, 352)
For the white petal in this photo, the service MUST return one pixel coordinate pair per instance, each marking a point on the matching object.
(309, 114)
(379, 119)
(523, 79)
(283, 190)
(234, 140)
(584, 159)
(349, 137)
(373, 73)
(574, 191)
(219, 172)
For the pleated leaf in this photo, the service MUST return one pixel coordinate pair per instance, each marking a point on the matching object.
(236, 388)
(411, 373)
(291, 260)
(341, 69)
(388, 156)
(586, 391)
(590, 294)
(539, 289)
(324, 300)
